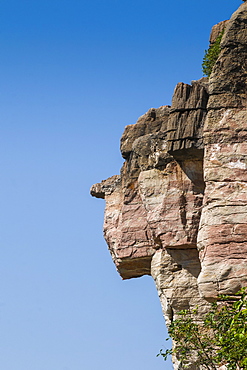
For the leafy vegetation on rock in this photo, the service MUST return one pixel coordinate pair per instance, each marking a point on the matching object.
(211, 55)
(219, 339)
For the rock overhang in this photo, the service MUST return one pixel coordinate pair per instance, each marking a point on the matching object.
(178, 209)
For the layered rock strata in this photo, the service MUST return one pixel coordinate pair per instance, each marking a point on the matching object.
(222, 238)
(178, 209)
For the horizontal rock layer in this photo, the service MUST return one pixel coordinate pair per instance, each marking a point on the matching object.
(222, 237)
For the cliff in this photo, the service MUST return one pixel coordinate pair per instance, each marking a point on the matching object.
(178, 209)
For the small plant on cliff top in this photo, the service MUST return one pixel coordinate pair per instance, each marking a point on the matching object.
(219, 339)
(211, 55)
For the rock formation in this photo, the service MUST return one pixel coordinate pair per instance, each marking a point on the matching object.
(178, 210)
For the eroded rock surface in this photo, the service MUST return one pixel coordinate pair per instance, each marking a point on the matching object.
(178, 209)
(222, 239)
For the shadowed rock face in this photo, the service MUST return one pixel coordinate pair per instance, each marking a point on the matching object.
(178, 209)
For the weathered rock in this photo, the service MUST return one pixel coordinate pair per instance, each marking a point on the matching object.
(178, 209)
(228, 81)
(154, 191)
(149, 123)
(222, 238)
(153, 208)
(186, 119)
(106, 187)
(216, 31)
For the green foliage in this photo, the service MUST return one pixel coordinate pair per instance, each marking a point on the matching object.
(219, 339)
(211, 55)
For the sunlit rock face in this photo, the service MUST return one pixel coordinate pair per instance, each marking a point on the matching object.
(153, 207)
(156, 201)
(222, 238)
(178, 209)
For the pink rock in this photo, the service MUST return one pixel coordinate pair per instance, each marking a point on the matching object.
(178, 210)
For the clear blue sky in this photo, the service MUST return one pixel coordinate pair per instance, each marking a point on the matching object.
(73, 73)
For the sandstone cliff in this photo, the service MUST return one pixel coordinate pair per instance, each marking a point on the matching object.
(178, 210)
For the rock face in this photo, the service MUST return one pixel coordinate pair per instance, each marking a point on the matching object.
(222, 238)
(178, 209)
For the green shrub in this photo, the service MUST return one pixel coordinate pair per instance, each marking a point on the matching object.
(220, 339)
(211, 55)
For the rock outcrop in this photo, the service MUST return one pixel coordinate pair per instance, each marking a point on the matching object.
(222, 238)
(178, 209)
